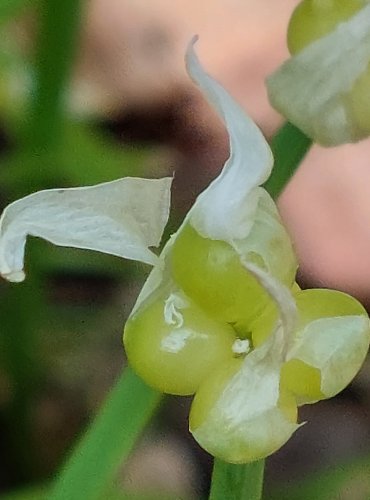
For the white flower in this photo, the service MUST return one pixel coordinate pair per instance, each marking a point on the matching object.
(216, 316)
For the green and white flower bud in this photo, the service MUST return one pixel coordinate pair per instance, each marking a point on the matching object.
(323, 89)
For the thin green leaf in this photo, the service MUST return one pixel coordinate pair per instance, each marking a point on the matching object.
(56, 47)
(109, 440)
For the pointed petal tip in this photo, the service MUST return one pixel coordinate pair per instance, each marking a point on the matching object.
(191, 44)
(14, 276)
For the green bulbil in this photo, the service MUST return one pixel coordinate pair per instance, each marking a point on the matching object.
(211, 273)
(173, 345)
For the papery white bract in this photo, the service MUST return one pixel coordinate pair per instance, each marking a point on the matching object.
(123, 218)
(313, 88)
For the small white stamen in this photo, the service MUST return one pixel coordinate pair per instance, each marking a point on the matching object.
(241, 346)
(172, 307)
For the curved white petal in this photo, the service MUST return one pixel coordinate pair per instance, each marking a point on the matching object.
(311, 89)
(122, 218)
(225, 210)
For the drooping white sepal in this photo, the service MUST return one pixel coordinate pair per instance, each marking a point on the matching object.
(225, 210)
(123, 218)
(312, 88)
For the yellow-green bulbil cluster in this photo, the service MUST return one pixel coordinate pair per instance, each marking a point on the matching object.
(186, 344)
(178, 337)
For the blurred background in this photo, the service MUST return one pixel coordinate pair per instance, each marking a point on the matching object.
(95, 90)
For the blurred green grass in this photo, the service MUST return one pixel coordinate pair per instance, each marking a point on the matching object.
(46, 146)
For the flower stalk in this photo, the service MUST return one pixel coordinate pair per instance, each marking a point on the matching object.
(237, 481)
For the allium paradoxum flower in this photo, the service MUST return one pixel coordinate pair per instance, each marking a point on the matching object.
(324, 87)
(220, 315)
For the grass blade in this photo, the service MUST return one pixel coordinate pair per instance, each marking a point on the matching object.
(109, 440)
(57, 40)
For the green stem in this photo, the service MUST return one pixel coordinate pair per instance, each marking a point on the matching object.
(59, 27)
(236, 482)
(108, 441)
(289, 146)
